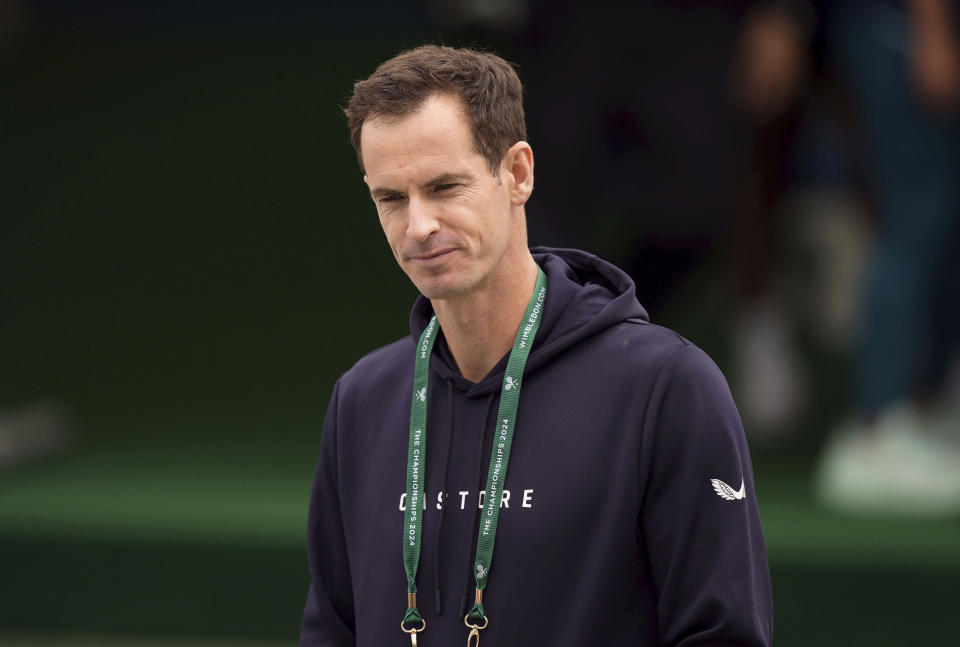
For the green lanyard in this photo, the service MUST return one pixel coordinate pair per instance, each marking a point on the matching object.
(476, 619)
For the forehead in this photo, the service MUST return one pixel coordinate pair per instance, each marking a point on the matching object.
(435, 138)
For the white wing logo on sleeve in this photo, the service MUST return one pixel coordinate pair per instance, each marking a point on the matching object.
(724, 491)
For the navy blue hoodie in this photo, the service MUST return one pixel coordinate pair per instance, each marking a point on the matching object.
(623, 520)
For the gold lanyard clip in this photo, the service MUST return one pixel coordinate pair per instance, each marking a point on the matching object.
(413, 632)
(473, 638)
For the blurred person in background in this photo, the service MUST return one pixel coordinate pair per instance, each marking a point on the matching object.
(685, 113)
(634, 98)
(769, 73)
(900, 450)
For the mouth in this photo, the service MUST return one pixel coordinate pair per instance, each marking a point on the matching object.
(433, 256)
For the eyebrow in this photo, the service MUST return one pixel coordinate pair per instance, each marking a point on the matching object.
(443, 178)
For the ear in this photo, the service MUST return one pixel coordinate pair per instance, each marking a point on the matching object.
(519, 167)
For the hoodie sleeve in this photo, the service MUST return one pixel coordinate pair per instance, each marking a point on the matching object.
(699, 523)
(328, 618)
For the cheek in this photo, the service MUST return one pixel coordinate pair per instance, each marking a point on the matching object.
(496, 226)
(489, 223)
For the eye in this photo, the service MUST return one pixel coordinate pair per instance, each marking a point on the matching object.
(444, 187)
(393, 197)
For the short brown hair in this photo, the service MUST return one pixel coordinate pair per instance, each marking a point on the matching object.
(487, 85)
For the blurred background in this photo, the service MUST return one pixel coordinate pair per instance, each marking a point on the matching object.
(183, 230)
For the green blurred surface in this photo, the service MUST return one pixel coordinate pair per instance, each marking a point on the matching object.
(113, 640)
(257, 495)
(188, 540)
(220, 496)
(800, 531)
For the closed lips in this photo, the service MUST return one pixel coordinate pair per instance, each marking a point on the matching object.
(430, 255)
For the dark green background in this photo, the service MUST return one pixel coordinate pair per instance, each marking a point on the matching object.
(186, 229)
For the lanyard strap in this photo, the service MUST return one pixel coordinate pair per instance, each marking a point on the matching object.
(499, 458)
(416, 461)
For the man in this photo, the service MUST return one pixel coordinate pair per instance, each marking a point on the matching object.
(608, 503)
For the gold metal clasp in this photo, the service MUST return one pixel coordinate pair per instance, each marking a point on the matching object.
(412, 603)
(466, 621)
(413, 632)
(473, 638)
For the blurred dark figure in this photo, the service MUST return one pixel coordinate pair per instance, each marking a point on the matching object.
(686, 117)
(770, 78)
(651, 171)
(900, 452)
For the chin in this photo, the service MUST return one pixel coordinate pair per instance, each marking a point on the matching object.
(441, 287)
(436, 292)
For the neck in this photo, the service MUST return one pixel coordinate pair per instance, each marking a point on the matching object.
(480, 327)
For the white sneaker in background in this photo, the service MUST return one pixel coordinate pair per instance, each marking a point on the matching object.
(896, 466)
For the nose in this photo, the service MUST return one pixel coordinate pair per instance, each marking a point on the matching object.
(421, 219)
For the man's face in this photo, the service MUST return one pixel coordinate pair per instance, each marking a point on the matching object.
(446, 217)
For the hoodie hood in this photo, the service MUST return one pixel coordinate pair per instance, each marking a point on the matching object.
(585, 295)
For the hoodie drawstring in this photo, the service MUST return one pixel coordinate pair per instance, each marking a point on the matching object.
(468, 588)
(443, 504)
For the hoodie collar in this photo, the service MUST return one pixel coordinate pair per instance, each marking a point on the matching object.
(585, 295)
